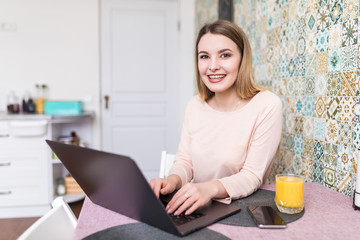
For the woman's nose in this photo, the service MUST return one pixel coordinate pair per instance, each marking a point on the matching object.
(214, 65)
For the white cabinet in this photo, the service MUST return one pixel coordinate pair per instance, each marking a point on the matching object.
(27, 170)
(24, 167)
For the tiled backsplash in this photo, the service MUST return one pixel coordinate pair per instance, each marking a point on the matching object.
(306, 51)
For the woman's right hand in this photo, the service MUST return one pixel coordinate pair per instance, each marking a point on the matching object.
(165, 186)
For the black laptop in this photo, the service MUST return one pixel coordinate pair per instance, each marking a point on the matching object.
(116, 183)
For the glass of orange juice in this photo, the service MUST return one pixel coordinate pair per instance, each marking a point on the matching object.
(289, 193)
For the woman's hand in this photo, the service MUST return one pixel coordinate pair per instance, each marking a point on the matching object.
(194, 195)
(165, 186)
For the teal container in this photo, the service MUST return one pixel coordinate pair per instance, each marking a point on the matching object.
(62, 107)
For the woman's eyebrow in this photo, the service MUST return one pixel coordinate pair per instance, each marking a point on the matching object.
(202, 52)
(225, 50)
(220, 51)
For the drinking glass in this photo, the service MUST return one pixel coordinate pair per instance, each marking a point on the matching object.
(289, 193)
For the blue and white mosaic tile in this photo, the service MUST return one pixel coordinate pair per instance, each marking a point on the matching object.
(307, 52)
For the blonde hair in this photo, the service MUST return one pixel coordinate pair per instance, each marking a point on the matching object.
(245, 85)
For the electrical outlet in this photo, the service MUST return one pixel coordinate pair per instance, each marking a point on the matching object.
(8, 27)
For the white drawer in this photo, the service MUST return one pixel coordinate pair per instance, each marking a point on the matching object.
(4, 129)
(23, 128)
(23, 162)
(8, 140)
(24, 192)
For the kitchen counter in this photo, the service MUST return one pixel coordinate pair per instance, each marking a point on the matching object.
(50, 118)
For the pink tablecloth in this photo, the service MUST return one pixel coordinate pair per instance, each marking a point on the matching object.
(328, 215)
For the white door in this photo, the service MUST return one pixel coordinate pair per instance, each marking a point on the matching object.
(139, 59)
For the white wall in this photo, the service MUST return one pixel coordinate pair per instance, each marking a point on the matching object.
(55, 42)
(187, 48)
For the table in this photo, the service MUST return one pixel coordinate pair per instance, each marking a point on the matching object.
(328, 215)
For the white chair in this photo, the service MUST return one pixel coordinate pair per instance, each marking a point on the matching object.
(58, 223)
(165, 163)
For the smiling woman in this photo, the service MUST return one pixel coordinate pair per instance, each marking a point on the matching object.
(233, 37)
(218, 62)
(231, 130)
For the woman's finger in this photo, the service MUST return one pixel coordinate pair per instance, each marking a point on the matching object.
(166, 188)
(157, 188)
(185, 205)
(176, 201)
(174, 198)
(156, 185)
(152, 184)
(179, 198)
(195, 206)
(180, 193)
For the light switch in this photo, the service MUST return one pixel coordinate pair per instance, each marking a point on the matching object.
(8, 27)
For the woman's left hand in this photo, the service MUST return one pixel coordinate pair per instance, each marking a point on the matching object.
(192, 196)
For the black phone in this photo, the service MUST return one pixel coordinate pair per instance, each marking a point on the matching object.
(266, 217)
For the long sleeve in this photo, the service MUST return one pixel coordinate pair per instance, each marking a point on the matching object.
(182, 165)
(237, 148)
(261, 152)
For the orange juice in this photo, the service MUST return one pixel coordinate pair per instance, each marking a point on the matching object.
(289, 196)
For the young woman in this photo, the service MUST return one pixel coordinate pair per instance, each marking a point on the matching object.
(231, 130)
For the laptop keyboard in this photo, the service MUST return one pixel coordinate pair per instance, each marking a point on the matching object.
(182, 218)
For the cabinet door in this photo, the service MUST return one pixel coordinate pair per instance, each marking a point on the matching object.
(27, 162)
(23, 191)
(24, 170)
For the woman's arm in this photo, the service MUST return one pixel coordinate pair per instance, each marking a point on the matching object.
(262, 150)
(182, 165)
(181, 170)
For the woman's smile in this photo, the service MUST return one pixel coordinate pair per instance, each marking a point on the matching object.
(215, 78)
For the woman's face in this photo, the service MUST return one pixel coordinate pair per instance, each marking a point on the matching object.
(218, 62)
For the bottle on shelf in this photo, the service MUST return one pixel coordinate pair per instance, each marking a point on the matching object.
(71, 139)
(13, 104)
(41, 90)
(60, 187)
(28, 105)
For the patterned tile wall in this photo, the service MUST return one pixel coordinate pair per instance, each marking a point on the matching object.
(205, 11)
(306, 51)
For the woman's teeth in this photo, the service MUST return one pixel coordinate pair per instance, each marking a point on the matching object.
(216, 76)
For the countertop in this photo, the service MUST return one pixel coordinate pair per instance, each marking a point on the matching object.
(50, 118)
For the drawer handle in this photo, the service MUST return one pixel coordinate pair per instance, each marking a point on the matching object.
(5, 164)
(4, 135)
(5, 193)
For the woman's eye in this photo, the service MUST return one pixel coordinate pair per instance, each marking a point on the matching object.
(225, 55)
(204, 57)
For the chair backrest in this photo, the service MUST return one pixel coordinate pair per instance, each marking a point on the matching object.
(58, 223)
(165, 163)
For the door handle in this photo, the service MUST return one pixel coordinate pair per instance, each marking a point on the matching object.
(106, 97)
(5, 164)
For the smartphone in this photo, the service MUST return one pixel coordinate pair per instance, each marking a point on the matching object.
(266, 217)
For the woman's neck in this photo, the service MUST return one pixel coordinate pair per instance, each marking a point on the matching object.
(228, 102)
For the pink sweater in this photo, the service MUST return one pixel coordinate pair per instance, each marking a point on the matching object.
(237, 148)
